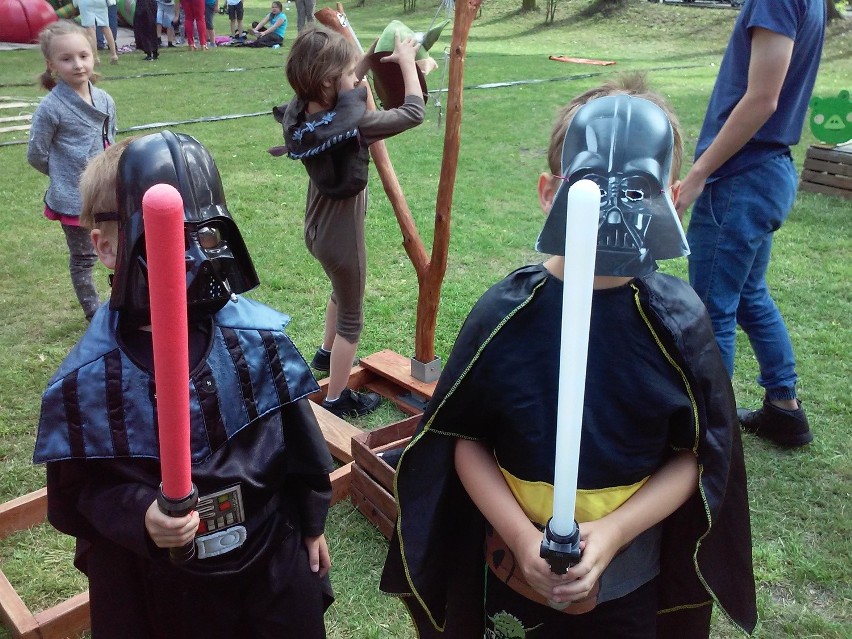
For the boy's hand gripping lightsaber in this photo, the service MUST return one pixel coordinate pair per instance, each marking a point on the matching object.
(561, 543)
(162, 213)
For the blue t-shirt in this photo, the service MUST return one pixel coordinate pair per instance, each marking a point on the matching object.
(281, 28)
(804, 22)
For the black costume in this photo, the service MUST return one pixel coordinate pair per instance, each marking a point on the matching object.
(503, 371)
(252, 433)
(257, 455)
(145, 27)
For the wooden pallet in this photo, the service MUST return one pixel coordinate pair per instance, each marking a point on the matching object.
(828, 170)
(372, 478)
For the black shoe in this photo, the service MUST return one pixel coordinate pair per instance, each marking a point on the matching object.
(149, 57)
(352, 404)
(780, 426)
(322, 360)
(156, 55)
(171, 45)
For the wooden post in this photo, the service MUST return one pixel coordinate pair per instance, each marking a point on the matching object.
(431, 277)
(430, 271)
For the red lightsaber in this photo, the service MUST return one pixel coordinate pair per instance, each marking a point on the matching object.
(162, 214)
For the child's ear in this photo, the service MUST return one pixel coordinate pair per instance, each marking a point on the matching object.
(547, 187)
(106, 244)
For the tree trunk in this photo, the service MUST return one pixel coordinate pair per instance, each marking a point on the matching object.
(831, 11)
(528, 5)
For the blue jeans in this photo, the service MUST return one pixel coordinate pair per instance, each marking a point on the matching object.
(112, 14)
(730, 236)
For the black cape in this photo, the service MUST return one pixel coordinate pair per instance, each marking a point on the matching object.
(435, 560)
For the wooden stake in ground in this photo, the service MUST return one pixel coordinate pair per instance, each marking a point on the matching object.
(430, 270)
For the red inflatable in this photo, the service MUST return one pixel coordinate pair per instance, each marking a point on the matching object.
(23, 19)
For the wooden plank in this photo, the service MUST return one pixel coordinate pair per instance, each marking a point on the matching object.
(837, 181)
(17, 118)
(395, 367)
(368, 462)
(341, 479)
(835, 168)
(358, 378)
(392, 432)
(337, 432)
(843, 156)
(23, 512)
(395, 394)
(371, 512)
(375, 493)
(15, 614)
(16, 105)
(67, 619)
(825, 190)
(10, 129)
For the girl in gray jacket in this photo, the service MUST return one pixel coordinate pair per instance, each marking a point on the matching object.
(72, 124)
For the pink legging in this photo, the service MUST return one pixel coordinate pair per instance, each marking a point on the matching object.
(193, 12)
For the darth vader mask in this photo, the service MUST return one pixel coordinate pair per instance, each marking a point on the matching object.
(217, 262)
(623, 144)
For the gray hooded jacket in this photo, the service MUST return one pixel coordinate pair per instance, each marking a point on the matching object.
(66, 132)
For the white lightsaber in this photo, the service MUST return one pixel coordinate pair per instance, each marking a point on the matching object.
(581, 231)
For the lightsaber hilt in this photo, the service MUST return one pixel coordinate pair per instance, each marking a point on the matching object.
(560, 551)
(179, 508)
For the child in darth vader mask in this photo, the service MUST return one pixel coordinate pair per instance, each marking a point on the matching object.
(258, 457)
(475, 486)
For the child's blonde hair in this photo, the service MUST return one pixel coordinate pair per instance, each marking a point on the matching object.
(99, 185)
(627, 84)
(56, 30)
(319, 55)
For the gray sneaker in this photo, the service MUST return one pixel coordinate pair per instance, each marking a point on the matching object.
(352, 403)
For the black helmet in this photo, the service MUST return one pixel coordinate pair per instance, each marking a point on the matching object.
(624, 144)
(217, 262)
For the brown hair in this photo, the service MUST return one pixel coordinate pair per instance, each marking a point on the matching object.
(627, 84)
(56, 30)
(317, 55)
(99, 184)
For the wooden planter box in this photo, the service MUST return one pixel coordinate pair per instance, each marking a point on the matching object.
(828, 170)
(69, 618)
(371, 485)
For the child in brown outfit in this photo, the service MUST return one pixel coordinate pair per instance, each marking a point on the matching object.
(328, 127)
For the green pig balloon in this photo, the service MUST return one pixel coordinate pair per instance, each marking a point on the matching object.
(831, 118)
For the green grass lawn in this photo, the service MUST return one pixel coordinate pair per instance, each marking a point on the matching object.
(799, 499)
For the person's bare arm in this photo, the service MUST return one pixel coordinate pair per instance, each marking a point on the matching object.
(364, 63)
(665, 491)
(768, 65)
(481, 477)
(260, 25)
(404, 55)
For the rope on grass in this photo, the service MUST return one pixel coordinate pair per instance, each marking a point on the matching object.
(490, 85)
(163, 125)
(569, 78)
(154, 75)
(211, 118)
